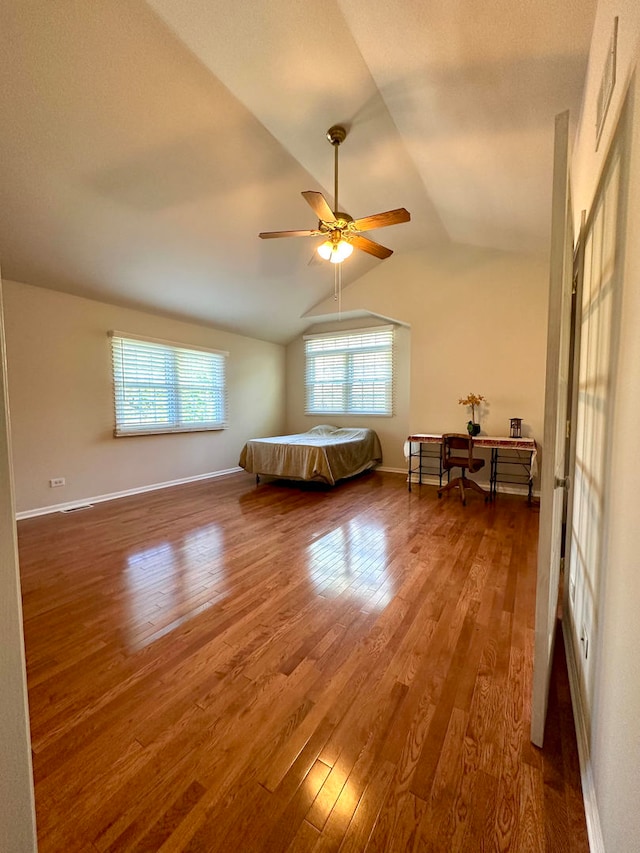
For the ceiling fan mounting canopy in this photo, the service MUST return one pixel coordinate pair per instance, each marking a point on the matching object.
(336, 134)
(338, 227)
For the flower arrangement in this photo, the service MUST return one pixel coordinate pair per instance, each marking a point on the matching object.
(472, 400)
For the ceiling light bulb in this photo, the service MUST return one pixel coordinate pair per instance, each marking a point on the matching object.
(325, 249)
(341, 252)
(336, 252)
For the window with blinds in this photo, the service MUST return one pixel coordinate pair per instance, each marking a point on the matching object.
(350, 373)
(162, 387)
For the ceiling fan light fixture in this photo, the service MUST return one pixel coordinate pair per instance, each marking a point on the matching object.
(335, 252)
(325, 249)
(343, 232)
(341, 252)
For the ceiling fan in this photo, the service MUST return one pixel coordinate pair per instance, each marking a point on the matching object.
(341, 231)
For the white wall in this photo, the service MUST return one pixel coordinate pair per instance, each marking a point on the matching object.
(478, 324)
(60, 392)
(17, 815)
(609, 681)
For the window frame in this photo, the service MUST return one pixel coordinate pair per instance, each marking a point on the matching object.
(347, 386)
(167, 356)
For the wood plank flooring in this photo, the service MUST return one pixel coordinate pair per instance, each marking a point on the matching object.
(292, 668)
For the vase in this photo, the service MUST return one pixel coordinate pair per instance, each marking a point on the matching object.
(473, 429)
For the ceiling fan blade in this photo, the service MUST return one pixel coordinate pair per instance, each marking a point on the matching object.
(268, 235)
(369, 246)
(381, 220)
(320, 206)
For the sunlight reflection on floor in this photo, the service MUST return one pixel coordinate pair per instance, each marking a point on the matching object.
(353, 557)
(166, 578)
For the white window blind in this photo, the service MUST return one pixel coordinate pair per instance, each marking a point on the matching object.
(350, 373)
(162, 387)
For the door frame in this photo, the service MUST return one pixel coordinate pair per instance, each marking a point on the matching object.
(17, 805)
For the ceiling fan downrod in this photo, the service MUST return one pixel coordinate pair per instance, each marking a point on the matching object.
(336, 136)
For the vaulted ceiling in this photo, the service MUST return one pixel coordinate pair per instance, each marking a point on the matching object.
(143, 145)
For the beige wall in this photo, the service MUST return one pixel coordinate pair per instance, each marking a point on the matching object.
(392, 431)
(610, 678)
(477, 324)
(60, 394)
(17, 814)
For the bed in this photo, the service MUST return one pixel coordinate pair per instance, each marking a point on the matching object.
(323, 454)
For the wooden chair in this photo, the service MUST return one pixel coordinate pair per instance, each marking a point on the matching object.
(457, 452)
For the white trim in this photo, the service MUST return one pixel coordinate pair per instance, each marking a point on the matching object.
(133, 433)
(390, 470)
(17, 805)
(349, 332)
(80, 502)
(504, 488)
(594, 830)
(145, 339)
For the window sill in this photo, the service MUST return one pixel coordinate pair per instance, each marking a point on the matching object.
(176, 430)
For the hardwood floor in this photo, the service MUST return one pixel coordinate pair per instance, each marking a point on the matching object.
(224, 667)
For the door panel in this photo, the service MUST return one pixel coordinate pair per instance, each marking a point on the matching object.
(555, 418)
(599, 318)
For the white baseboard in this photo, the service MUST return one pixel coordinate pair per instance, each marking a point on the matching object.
(502, 488)
(594, 830)
(81, 502)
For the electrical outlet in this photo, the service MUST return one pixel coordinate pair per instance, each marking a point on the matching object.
(57, 481)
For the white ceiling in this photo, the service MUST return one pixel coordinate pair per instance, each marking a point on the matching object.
(143, 146)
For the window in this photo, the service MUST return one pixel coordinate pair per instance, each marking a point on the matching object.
(350, 373)
(163, 387)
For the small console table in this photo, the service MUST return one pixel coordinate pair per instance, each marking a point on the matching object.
(513, 460)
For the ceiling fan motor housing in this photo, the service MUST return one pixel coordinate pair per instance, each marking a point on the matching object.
(342, 221)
